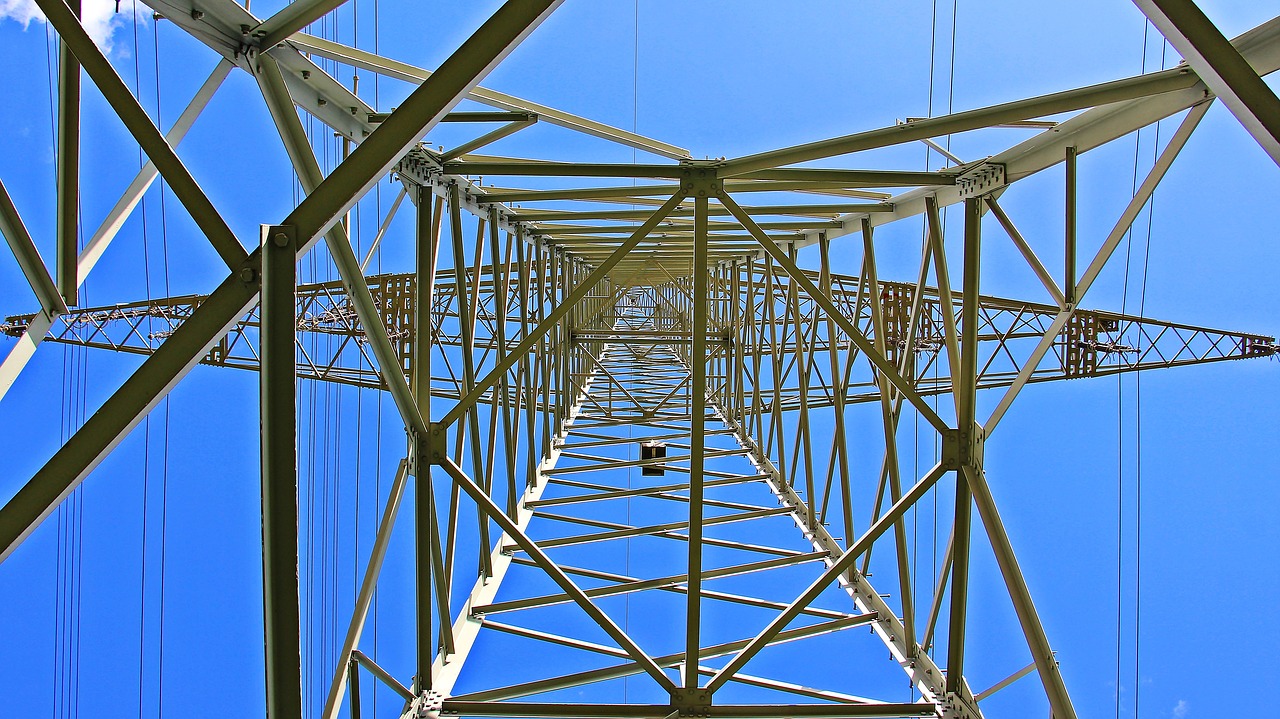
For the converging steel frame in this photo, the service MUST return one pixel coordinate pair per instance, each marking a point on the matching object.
(663, 309)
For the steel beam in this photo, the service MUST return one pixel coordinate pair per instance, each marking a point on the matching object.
(966, 403)
(538, 555)
(826, 210)
(383, 675)
(489, 138)
(364, 599)
(890, 412)
(24, 249)
(1051, 104)
(280, 607)
(386, 224)
(387, 67)
(1032, 628)
(1220, 66)
(467, 311)
(697, 440)
(628, 192)
(535, 710)
(425, 533)
(292, 18)
(1069, 275)
(1031, 667)
(667, 660)
(68, 169)
(1028, 254)
(837, 568)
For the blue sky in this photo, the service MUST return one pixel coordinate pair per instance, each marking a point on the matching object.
(722, 79)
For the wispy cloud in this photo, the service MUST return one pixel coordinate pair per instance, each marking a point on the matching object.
(99, 17)
(1181, 709)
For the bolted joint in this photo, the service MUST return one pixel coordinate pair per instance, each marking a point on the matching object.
(691, 702)
(428, 705)
(982, 180)
(435, 445)
(419, 459)
(955, 706)
(963, 448)
(279, 237)
(700, 179)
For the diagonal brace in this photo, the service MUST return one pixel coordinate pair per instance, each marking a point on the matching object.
(135, 119)
(570, 301)
(1220, 66)
(535, 552)
(24, 249)
(882, 364)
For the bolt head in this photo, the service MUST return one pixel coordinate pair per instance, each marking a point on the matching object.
(248, 274)
(280, 239)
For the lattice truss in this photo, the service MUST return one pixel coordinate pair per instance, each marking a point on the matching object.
(629, 409)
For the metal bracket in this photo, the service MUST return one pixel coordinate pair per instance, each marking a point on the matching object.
(691, 702)
(418, 167)
(436, 443)
(1080, 344)
(981, 180)
(428, 705)
(963, 449)
(700, 179)
(954, 706)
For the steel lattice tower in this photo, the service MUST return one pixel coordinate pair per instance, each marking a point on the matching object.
(633, 401)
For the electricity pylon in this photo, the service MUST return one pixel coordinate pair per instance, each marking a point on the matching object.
(649, 413)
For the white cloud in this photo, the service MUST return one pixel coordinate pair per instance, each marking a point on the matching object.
(99, 17)
(1181, 709)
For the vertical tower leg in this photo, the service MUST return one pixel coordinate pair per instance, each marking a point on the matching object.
(68, 169)
(424, 528)
(280, 475)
